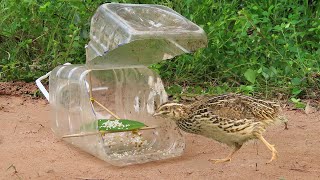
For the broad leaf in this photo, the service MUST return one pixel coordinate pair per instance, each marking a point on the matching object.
(296, 81)
(298, 103)
(112, 125)
(250, 75)
(296, 91)
(119, 125)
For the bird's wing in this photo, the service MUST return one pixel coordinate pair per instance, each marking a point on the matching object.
(234, 106)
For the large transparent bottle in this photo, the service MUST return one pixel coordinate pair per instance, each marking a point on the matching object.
(131, 93)
(124, 40)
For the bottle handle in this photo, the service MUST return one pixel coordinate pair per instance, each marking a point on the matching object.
(40, 85)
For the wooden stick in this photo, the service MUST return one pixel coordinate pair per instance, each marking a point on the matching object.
(147, 128)
(93, 100)
(114, 115)
(96, 133)
(80, 134)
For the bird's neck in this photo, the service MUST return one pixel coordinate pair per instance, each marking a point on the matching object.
(179, 113)
(184, 111)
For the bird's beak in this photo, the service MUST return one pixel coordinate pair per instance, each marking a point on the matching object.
(156, 114)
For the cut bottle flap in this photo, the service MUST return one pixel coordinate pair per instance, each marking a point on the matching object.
(135, 34)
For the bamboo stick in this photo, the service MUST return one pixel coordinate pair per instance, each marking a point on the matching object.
(114, 115)
(93, 100)
(96, 133)
(80, 134)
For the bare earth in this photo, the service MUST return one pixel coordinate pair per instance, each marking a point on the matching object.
(29, 150)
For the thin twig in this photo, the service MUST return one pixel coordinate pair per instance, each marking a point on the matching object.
(40, 36)
(88, 178)
(147, 128)
(114, 115)
(13, 167)
(80, 134)
(96, 133)
(15, 170)
(95, 101)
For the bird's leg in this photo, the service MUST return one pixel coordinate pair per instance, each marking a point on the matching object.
(228, 158)
(270, 147)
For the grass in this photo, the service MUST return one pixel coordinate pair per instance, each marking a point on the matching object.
(269, 47)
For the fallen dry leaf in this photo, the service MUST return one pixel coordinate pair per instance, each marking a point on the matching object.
(309, 109)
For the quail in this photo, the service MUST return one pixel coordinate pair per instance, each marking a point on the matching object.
(232, 119)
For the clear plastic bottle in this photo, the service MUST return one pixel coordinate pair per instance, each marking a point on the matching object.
(131, 93)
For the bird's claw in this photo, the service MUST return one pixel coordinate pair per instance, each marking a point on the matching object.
(274, 156)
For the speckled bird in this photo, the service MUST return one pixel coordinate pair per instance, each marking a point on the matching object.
(231, 119)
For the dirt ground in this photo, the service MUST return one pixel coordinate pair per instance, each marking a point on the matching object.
(29, 150)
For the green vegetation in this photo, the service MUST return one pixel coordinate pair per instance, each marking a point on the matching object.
(267, 47)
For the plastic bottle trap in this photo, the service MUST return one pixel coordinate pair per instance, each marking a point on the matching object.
(105, 107)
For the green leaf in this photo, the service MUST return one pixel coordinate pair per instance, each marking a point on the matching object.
(246, 88)
(250, 75)
(287, 25)
(277, 28)
(174, 89)
(294, 100)
(119, 125)
(298, 103)
(296, 81)
(273, 70)
(198, 90)
(265, 13)
(296, 91)
(112, 125)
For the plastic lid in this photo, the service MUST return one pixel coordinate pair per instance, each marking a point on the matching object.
(135, 34)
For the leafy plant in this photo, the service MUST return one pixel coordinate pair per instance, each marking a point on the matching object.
(298, 103)
(264, 47)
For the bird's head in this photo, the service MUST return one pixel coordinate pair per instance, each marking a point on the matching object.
(174, 111)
